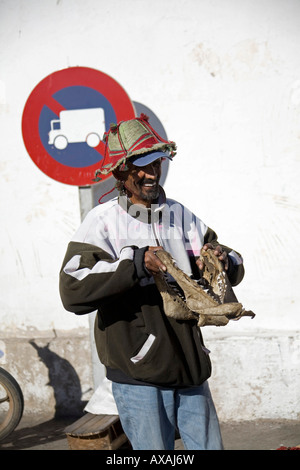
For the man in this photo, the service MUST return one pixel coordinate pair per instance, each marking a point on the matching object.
(158, 365)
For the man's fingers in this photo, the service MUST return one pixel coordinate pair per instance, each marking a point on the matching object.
(152, 262)
(219, 252)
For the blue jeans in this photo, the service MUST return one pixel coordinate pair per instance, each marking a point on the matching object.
(149, 417)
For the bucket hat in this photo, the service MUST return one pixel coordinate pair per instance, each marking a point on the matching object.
(132, 138)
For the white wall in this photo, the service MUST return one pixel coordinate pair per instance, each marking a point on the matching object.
(223, 76)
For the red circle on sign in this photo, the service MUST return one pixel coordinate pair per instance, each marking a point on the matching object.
(43, 95)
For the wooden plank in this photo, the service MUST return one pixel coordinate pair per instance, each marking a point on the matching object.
(109, 420)
(77, 424)
(90, 424)
(80, 422)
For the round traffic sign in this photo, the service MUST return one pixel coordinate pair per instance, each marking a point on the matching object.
(64, 120)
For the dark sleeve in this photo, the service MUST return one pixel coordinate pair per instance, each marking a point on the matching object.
(89, 275)
(139, 256)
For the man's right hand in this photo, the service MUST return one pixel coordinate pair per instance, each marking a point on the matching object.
(152, 262)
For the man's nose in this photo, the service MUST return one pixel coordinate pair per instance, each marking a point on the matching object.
(151, 169)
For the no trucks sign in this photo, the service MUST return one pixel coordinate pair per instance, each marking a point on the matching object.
(64, 120)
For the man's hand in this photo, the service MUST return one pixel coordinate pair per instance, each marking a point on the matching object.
(219, 252)
(152, 262)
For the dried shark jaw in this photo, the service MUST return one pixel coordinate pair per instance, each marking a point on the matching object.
(203, 302)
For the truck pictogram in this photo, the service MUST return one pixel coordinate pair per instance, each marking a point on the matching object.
(77, 125)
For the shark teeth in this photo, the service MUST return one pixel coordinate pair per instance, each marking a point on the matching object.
(178, 291)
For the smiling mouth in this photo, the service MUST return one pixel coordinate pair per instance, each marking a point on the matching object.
(147, 190)
(149, 184)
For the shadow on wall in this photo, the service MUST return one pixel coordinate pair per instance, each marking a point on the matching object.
(64, 381)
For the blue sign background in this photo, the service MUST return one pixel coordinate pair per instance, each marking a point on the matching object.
(76, 155)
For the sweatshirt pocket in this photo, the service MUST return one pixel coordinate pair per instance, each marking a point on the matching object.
(144, 349)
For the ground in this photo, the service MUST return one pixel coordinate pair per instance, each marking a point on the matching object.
(47, 433)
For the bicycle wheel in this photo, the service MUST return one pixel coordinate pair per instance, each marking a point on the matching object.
(11, 403)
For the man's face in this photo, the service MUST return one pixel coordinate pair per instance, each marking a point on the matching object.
(142, 183)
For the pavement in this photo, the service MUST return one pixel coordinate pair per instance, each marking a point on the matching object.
(48, 433)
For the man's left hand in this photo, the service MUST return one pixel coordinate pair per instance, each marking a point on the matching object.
(219, 252)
